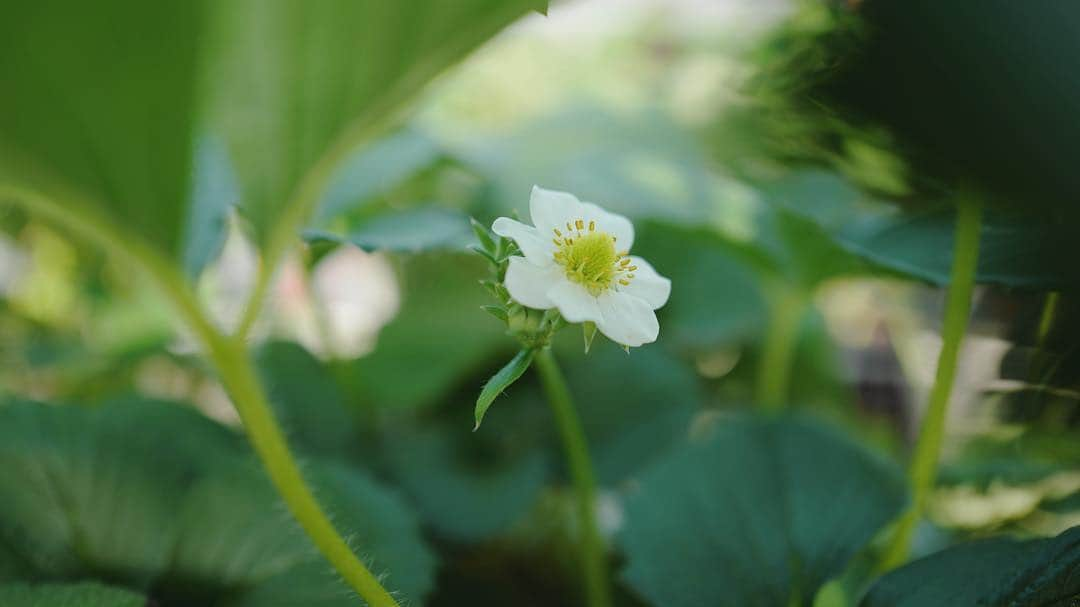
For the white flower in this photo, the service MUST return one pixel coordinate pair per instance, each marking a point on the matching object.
(577, 260)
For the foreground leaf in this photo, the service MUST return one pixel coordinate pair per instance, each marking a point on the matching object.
(501, 381)
(1001, 572)
(759, 512)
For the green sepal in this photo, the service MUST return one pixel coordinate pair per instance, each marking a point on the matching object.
(496, 311)
(487, 241)
(501, 381)
(588, 330)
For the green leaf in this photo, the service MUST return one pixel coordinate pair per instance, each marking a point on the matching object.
(411, 231)
(213, 196)
(374, 170)
(85, 594)
(234, 532)
(307, 400)
(469, 486)
(501, 381)
(437, 338)
(98, 109)
(727, 307)
(633, 407)
(1016, 249)
(299, 83)
(755, 512)
(999, 571)
(96, 490)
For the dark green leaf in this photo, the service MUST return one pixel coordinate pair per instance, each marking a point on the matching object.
(1001, 572)
(411, 231)
(307, 400)
(213, 196)
(86, 594)
(757, 512)
(96, 490)
(502, 380)
(469, 486)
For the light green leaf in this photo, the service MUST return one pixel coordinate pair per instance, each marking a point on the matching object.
(99, 108)
(300, 85)
(501, 381)
(374, 170)
(755, 512)
(999, 571)
(411, 231)
(213, 196)
(85, 594)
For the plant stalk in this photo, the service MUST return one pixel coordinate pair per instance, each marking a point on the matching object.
(233, 364)
(774, 374)
(593, 559)
(923, 468)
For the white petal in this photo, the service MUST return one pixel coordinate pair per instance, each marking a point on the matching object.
(538, 250)
(552, 209)
(647, 284)
(574, 302)
(529, 283)
(612, 223)
(627, 320)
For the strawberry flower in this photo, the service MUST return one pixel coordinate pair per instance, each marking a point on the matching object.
(577, 260)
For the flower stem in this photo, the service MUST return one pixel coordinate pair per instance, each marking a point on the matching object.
(231, 359)
(577, 457)
(785, 317)
(238, 374)
(923, 468)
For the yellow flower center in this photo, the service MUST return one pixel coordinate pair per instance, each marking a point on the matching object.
(589, 257)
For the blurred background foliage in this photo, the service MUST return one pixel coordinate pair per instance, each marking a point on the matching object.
(791, 166)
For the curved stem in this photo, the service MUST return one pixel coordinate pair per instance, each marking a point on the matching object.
(241, 381)
(577, 458)
(774, 374)
(923, 468)
(231, 360)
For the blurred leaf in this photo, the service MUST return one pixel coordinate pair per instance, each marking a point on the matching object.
(297, 80)
(642, 165)
(96, 490)
(469, 486)
(236, 532)
(759, 512)
(438, 337)
(633, 407)
(374, 171)
(1015, 249)
(84, 594)
(502, 379)
(160, 498)
(99, 100)
(214, 194)
(411, 231)
(999, 571)
(307, 400)
(716, 293)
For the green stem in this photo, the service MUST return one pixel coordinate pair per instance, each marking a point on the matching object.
(241, 381)
(231, 360)
(923, 468)
(577, 458)
(786, 314)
